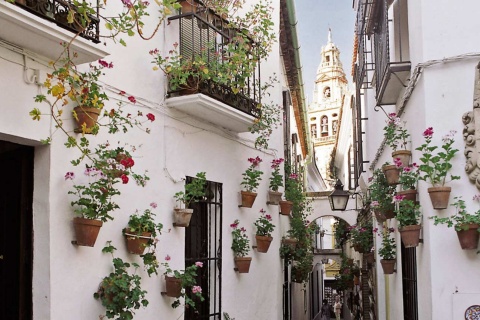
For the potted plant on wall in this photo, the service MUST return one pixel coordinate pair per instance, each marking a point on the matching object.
(466, 225)
(293, 194)
(263, 235)
(251, 180)
(408, 180)
(381, 196)
(194, 191)
(141, 233)
(391, 172)
(387, 250)
(396, 137)
(276, 181)
(120, 292)
(435, 167)
(362, 237)
(408, 217)
(240, 247)
(180, 283)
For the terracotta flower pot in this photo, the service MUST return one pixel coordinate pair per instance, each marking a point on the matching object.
(292, 242)
(439, 196)
(410, 235)
(410, 194)
(389, 214)
(274, 197)
(87, 116)
(403, 155)
(86, 231)
(356, 280)
(392, 173)
(136, 244)
(469, 238)
(379, 216)
(243, 264)
(263, 243)
(369, 257)
(248, 198)
(286, 207)
(188, 6)
(388, 266)
(173, 287)
(181, 217)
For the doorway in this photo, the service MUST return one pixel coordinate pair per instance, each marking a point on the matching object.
(16, 247)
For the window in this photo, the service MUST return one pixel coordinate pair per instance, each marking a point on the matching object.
(326, 92)
(203, 242)
(409, 279)
(334, 127)
(313, 130)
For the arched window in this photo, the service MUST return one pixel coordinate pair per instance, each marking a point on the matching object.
(334, 127)
(326, 92)
(324, 126)
(313, 130)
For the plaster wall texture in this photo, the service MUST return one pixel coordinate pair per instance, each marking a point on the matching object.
(66, 276)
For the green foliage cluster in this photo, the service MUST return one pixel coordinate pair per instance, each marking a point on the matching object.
(240, 241)
(408, 213)
(381, 193)
(194, 190)
(461, 218)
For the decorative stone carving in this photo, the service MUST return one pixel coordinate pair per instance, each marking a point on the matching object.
(471, 134)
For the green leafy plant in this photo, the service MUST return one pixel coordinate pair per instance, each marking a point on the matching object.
(342, 232)
(276, 179)
(436, 165)
(120, 292)
(240, 241)
(409, 176)
(194, 190)
(264, 225)
(139, 224)
(381, 193)
(362, 236)
(388, 247)
(252, 176)
(395, 135)
(344, 278)
(408, 212)
(461, 218)
(188, 277)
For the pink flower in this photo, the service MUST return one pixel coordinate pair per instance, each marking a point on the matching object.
(269, 217)
(69, 176)
(122, 93)
(105, 64)
(199, 264)
(398, 198)
(233, 225)
(124, 178)
(276, 163)
(243, 229)
(293, 176)
(255, 161)
(375, 230)
(397, 162)
(132, 99)
(428, 132)
(391, 230)
(374, 204)
(407, 169)
(262, 210)
(153, 205)
(167, 258)
(127, 163)
(196, 289)
(150, 117)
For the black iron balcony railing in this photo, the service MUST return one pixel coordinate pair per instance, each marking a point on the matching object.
(206, 34)
(57, 12)
(381, 44)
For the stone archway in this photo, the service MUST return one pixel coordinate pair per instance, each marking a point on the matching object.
(321, 208)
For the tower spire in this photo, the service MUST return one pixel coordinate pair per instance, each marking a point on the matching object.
(329, 35)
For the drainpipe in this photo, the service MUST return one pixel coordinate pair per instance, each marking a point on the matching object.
(387, 297)
(292, 22)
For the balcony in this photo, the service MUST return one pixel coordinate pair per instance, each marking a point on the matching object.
(391, 70)
(34, 26)
(233, 108)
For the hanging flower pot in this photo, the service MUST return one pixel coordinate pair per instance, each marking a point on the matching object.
(439, 196)
(181, 217)
(87, 116)
(173, 287)
(274, 197)
(468, 238)
(392, 173)
(286, 207)
(369, 257)
(379, 216)
(356, 280)
(403, 155)
(136, 244)
(292, 242)
(243, 264)
(389, 214)
(263, 243)
(86, 231)
(410, 235)
(188, 6)
(410, 194)
(388, 266)
(248, 198)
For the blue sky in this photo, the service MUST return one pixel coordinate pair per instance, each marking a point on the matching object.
(314, 18)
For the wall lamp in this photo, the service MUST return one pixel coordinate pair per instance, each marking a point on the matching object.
(338, 198)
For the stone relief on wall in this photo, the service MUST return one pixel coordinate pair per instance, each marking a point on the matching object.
(471, 134)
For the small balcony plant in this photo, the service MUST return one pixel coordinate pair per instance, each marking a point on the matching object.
(240, 247)
(436, 165)
(387, 250)
(276, 181)
(194, 191)
(183, 283)
(362, 237)
(408, 215)
(381, 196)
(251, 180)
(467, 225)
(264, 231)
